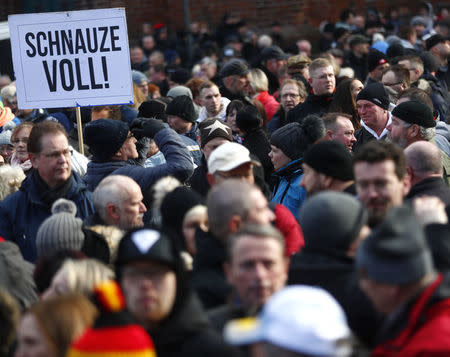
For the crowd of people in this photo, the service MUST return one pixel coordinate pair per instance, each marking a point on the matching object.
(259, 198)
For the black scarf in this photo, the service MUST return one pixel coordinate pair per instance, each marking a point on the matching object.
(47, 194)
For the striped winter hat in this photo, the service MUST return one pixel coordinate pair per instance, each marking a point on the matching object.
(114, 332)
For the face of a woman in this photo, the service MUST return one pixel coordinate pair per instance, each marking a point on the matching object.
(231, 120)
(30, 339)
(356, 87)
(20, 141)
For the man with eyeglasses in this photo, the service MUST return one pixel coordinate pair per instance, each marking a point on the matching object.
(323, 84)
(22, 213)
(113, 146)
(397, 79)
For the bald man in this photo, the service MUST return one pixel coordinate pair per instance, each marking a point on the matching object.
(424, 166)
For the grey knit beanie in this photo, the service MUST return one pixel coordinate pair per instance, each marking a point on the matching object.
(396, 252)
(62, 230)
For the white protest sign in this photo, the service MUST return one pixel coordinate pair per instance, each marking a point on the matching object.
(71, 59)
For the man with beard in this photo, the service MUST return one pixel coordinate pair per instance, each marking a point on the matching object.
(381, 179)
(411, 122)
(235, 83)
(440, 49)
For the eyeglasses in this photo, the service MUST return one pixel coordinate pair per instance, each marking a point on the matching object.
(392, 84)
(57, 154)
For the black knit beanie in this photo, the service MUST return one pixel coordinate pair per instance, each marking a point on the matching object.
(183, 107)
(153, 109)
(375, 58)
(175, 205)
(413, 112)
(375, 93)
(396, 251)
(287, 139)
(105, 137)
(330, 158)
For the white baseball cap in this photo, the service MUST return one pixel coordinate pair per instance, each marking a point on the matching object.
(298, 318)
(228, 156)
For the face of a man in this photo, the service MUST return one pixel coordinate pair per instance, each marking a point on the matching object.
(210, 98)
(390, 80)
(379, 188)
(150, 290)
(278, 157)
(212, 145)
(398, 133)
(259, 213)
(380, 294)
(181, 126)
(240, 84)
(136, 55)
(377, 73)
(371, 114)
(53, 162)
(312, 181)
(128, 149)
(274, 65)
(290, 96)
(322, 80)
(344, 133)
(243, 172)
(414, 73)
(132, 209)
(257, 269)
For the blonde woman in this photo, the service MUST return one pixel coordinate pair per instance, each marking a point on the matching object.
(48, 327)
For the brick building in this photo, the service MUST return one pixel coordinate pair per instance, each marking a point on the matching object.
(294, 14)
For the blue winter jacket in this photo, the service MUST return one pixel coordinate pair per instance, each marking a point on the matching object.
(178, 164)
(287, 190)
(22, 213)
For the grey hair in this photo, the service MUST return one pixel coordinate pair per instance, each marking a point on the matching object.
(110, 190)
(427, 133)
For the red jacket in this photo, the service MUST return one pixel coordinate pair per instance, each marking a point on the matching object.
(269, 102)
(427, 333)
(286, 223)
